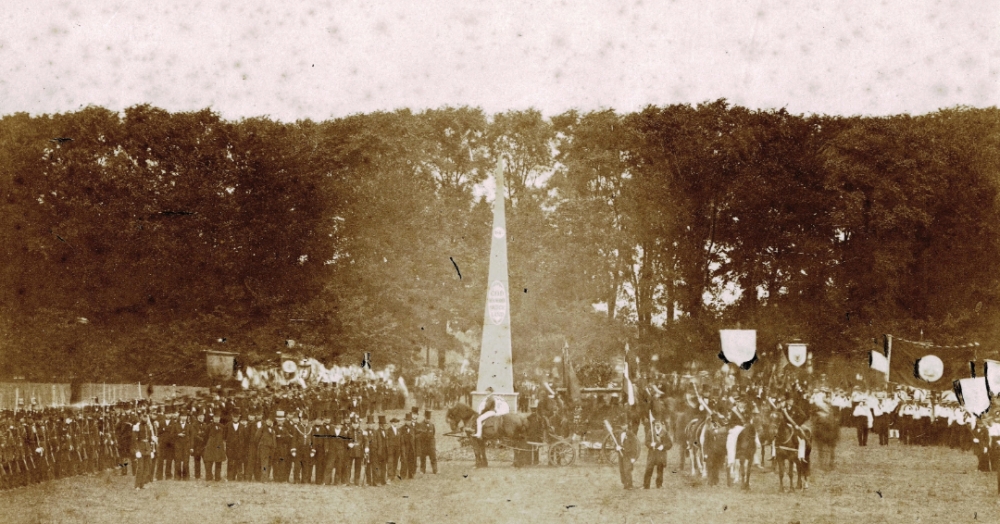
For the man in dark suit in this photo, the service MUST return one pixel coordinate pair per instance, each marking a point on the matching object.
(425, 443)
(283, 447)
(183, 444)
(393, 451)
(657, 444)
(251, 468)
(317, 449)
(407, 446)
(165, 447)
(379, 452)
(356, 445)
(199, 433)
(236, 447)
(336, 453)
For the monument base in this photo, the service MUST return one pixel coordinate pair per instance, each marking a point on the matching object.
(479, 396)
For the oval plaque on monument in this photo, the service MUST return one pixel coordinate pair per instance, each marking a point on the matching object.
(497, 303)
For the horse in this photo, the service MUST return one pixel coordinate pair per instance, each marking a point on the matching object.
(827, 434)
(461, 416)
(746, 448)
(499, 428)
(787, 443)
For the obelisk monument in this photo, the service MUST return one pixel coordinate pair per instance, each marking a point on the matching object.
(496, 369)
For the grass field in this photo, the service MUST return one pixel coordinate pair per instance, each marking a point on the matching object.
(873, 484)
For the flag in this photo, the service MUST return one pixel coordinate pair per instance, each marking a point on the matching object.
(739, 346)
(878, 362)
(797, 354)
(927, 367)
(973, 394)
(572, 383)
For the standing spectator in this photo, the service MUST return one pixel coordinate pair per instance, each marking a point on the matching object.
(265, 449)
(215, 448)
(658, 442)
(426, 443)
(199, 434)
(183, 444)
(628, 450)
(236, 447)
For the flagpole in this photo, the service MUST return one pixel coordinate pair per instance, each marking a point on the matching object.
(888, 358)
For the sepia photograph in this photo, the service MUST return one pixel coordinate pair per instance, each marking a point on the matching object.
(367, 261)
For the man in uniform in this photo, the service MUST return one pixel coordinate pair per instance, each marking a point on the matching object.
(628, 451)
(425, 443)
(282, 458)
(356, 445)
(336, 451)
(657, 441)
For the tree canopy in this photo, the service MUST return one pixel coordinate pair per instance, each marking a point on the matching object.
(135, 240)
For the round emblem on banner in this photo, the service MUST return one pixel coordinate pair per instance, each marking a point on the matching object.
(930, 368)
(499, 232)
(496, 301)
(289, 366)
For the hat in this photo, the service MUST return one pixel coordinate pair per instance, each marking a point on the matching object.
(370, 420)
(409, 416)
(427, 413)
(415, 410)
(279, 414)
(394, 420)
(381, 419)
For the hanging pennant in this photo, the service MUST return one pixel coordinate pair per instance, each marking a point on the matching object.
(973, 394)
(992, 372)
(739, 346)
(878, 362)
(797, 354)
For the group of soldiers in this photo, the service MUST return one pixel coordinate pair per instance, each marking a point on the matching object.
(324, 436)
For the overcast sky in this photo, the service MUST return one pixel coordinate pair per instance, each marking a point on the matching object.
(325, 59)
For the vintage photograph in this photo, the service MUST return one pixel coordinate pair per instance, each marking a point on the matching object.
(387, 262)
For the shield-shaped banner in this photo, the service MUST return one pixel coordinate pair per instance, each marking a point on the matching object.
(739, 346)
(991, 368)
(972, 393)
(797, 354)
(929, 368)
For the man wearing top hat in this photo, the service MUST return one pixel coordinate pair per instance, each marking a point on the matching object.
(266, 443)
(251, 468)
(236, 447)
(393, 451)
(282, 459)
(183, 443)
(369, 479)
(317, 449)
(379, 452)
(425, 443)
(215, 448)
(300, 451)
(165, 446)
(199, 433)
(336, 452)
(657, 442)
(407, 446)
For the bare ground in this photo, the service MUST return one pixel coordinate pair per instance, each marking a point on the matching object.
(873, 484)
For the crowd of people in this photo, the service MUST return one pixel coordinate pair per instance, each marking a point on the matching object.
(336, 434)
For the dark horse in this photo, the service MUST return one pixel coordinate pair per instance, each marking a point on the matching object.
(746, 447)
(499, 428)
(787, 443)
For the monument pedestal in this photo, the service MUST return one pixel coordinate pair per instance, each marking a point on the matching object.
(479, 396)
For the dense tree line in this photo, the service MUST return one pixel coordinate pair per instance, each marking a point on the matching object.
(150, 236)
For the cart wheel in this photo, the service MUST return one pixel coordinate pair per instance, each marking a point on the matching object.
(561, 454)
(608, 453)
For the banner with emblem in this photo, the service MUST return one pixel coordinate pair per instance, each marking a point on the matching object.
(797, 354)
(922, 365)
(991, 370)
(972, 394)
(739, 346)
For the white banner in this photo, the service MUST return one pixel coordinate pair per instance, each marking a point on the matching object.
(992, 373)
(739, 346)
(797, 354)
(973, 395)
(878, 362)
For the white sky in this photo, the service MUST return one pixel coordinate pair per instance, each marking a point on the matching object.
(325, 59)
